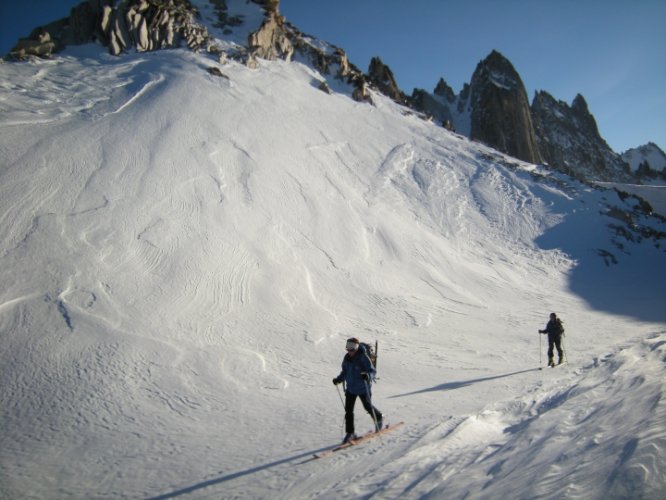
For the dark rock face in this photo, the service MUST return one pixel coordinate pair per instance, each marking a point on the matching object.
(432, 107)
(500, 109)
(382, 77)
(569, 140)
(439, 105)
(444, 90)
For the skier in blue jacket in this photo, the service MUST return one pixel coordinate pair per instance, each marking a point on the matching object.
(357, 373)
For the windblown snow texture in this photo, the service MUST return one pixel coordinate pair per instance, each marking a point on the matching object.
(182, 257)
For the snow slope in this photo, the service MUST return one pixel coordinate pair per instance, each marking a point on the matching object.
(182, 257)
(650, 153)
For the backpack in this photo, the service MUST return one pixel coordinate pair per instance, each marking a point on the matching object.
(371, 352)
(559, 327)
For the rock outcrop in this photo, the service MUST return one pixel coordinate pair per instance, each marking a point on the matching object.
(444, 106)
(330, 60)
(38, 44)
(433, 107)
(271, 40)
(500, 109)
(143, 25)
(382, 77)
(150, 26)
(569, 140)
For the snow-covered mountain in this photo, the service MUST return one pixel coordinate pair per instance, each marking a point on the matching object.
(494, 110)
(188, 238)
(569, 141)
(649, 160)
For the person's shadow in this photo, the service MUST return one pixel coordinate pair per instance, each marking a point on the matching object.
(308, 456)
(449, 386)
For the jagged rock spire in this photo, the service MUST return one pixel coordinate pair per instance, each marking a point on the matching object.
(382, 76)
(271, 41)
(569, 140)
(444, 90)
(500, 109)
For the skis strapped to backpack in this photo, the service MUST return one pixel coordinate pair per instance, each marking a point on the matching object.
(371, 352)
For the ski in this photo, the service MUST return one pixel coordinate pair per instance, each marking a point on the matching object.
(359, 440)
(554, 366)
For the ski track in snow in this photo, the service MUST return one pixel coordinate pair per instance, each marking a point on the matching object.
(184, 256)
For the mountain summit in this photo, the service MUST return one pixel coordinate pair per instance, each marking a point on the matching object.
(569, 140)
(500, 109)
(494, 109)
(648, 161)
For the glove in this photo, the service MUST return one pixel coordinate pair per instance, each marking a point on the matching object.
(365, 376)
(336, 381)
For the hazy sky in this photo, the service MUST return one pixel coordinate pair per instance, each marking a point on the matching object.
(613, 52)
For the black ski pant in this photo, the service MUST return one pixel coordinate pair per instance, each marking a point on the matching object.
(350, 401)
(555, 341)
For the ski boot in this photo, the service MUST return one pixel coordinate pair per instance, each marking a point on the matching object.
(349, 437)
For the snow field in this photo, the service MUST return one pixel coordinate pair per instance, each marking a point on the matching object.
(183, 257)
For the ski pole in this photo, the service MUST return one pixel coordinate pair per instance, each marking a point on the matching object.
(372, 408)
(539, 349)
(344, 418)
(340, 395)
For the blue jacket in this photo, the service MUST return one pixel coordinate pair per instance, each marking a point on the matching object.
(352, 367)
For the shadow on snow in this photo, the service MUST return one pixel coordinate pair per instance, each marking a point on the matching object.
(449, 386)
(617, 269)
(308, 456)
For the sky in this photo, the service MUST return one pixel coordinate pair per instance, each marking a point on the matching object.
(613, 52)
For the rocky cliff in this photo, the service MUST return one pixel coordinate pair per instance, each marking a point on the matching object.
(569, 140)
(494, 109)
(382, 77)
(500, 110)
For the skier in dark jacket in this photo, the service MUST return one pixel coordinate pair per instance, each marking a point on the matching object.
(357, 373)
(555, 332)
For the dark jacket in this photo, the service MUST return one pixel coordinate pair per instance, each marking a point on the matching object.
(352, 367)
(554, 328)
